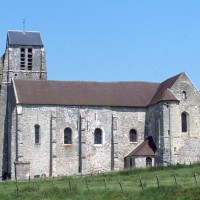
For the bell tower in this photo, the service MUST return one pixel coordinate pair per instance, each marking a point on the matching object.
(24, 57)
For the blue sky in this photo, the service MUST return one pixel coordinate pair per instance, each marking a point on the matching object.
(111, 40)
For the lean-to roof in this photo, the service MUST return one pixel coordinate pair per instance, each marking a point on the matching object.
(146, 148)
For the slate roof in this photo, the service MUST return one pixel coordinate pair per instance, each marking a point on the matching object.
(24, 38)
(146, 148)
(116, 94)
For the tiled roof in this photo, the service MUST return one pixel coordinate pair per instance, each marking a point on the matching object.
(24, 38)
(163, 92)
(127, 94)
(146, 148)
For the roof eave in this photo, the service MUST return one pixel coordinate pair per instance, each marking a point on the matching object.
(90, 105)
(171, 100)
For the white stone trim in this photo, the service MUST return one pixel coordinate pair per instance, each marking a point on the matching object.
(17, 100)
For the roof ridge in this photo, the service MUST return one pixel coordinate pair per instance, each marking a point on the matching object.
(85, 81)
(23, 31)
(173, 77)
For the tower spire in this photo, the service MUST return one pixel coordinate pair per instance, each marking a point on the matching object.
(24, 23)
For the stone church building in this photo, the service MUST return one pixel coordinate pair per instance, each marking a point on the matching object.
(53, 128)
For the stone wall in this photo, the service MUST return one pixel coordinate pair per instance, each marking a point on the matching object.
(163, 122)
(138, 161)
(52, 157)
(175, 146)
(186, 144)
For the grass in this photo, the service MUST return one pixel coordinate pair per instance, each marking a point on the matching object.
(110, 186)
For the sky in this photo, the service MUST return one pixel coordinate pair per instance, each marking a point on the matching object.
(111, 40)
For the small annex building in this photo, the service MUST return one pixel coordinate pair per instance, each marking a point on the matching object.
(142, 155)
(54, 128)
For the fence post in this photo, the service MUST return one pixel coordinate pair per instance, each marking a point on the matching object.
(195, 177)
(175, 180)
(87, 184)
(120, 185)
(17, 188)
(70, 185)
(141, 183)
(157, 181)
(105, 184)
(53, 181)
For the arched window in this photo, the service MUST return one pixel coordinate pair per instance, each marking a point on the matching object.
(133, 135)
(184, 122)
(98, 136)
(68, 136)
(184, 95)
(131, 162)
(148, 161)
(37, 134)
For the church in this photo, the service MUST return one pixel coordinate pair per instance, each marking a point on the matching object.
(60, 128)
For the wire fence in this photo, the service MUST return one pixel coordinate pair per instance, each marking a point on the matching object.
(100, 183)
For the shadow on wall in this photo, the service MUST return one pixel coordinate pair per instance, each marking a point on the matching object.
(6, 165)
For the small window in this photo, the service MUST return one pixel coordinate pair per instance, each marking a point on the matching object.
(68, 136)
(37, 134)
(148, 161)
(184, 122)
(174, 149)
(184, 95)
(133, 135)
(22, 59)
(29, 59)
(98, 136)
(22, 66)
(114, 123)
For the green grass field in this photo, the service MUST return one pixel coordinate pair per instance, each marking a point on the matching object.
(152, 183)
